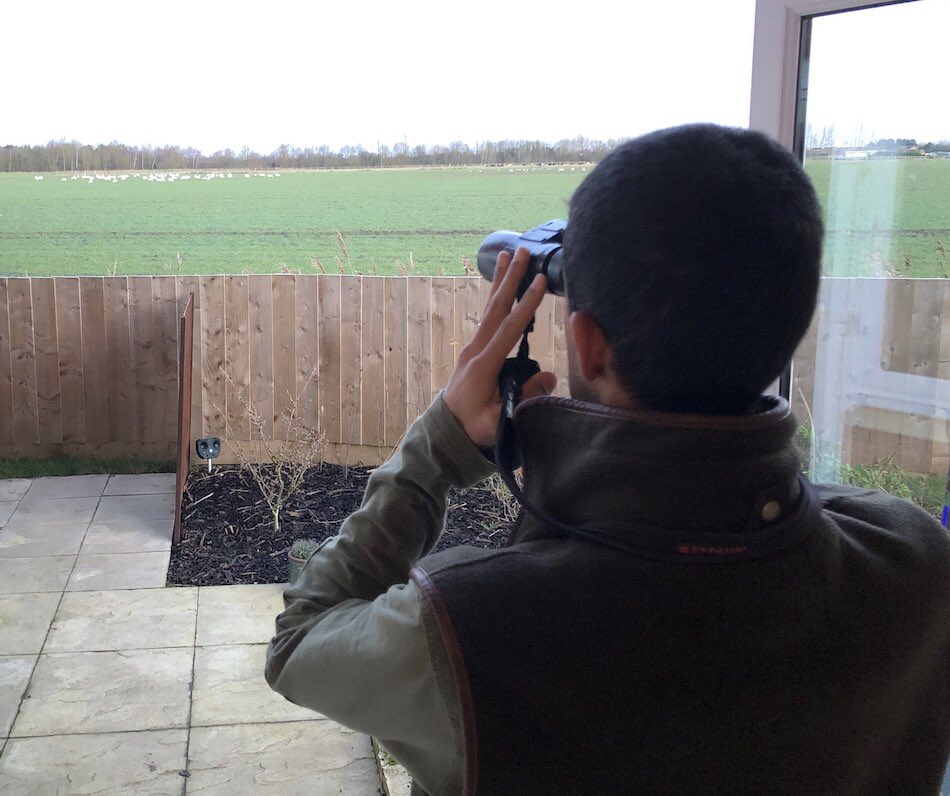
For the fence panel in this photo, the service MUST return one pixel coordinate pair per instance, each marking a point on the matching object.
(260, 396)
(372, 377)
(395, 327)
(89, 364)
(69, 343)
(25, 428)
(213, 392)
(119, 366)
(49, 409)
(329, 351)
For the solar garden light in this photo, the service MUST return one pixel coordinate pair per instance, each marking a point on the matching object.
(208, 448)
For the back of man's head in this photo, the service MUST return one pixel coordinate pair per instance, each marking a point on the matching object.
(697, 250)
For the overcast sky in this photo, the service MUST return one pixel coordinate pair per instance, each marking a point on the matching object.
(217, 75)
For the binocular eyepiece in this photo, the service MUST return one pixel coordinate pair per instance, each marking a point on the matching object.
(546, 255)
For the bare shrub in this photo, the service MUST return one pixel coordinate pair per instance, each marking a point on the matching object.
(278, 466)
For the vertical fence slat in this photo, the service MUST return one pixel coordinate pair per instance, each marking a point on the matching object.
(69, 338)
(48, 392)
(371, 356)
(94, 369)
(24, 361)
(394, 347)
(468, 311)
(122, 407)
(559, 357)
(443, 332)
(926, 325)
(166, 322)
(6, 369)
(190, 287)
(419, 345)
(351, 366)
(213, 355)
(542, 339)
(284, 350)
(943, 353)
(185, 363)
(144, 370)
(899, 301)
(261, 345)
(330, 360)
(236, 356)
(309, 346)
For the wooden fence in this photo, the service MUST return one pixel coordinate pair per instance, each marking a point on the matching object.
(88, 365)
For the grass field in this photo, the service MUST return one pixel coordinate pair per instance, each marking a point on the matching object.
(257, 223)
(888, 217)
(885, 217)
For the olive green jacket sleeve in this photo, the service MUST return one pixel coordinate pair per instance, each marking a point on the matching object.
(357, 640)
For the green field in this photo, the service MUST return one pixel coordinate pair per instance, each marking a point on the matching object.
(885, 217)
(257, 223)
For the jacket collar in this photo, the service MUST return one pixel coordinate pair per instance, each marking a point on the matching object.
(595, 466)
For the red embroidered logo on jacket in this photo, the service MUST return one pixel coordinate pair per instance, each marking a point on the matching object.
(703, 550)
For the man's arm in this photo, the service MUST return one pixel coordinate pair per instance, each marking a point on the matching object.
(357, 640)
(354, 641)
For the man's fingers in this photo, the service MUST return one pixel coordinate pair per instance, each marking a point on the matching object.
(509, 271)
(513, 325)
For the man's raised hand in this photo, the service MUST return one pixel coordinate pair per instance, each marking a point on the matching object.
(472, 392)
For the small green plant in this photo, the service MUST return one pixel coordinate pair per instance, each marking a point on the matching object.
(302, 549)
(927, 491)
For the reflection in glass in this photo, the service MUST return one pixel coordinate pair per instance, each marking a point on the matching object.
(871, 379)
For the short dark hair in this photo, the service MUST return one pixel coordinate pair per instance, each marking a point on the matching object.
(697, 249)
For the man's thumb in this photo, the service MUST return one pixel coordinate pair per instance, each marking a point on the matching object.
(540, 384)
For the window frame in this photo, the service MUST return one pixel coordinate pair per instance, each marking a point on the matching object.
(776, 53)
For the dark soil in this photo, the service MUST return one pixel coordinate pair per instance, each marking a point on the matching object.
(227, 535)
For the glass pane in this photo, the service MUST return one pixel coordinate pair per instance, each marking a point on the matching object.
(872, 379)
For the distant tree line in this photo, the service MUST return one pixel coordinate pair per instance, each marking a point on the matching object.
(65, 155)
(827, 141)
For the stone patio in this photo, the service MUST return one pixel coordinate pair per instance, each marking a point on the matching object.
(112, 683)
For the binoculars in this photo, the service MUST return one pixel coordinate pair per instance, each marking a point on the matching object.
(546, 255)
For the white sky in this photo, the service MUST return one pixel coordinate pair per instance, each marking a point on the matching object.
(217, 75)
(882, 73)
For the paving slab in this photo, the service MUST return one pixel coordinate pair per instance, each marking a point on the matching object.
(127, 762)
(15, 671)
(86, 692)
(134, 509)
(68, 486)
(238, 614)
(145, 484)
(7, 507)
(14, 488)
(152, 536)
(45, 510)
(119, 571)
(25, 575)
(319, 757)
(230, 689)
(398, 781)
(34, 539)
(25, 621)
(124, 620)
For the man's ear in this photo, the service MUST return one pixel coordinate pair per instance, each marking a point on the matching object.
(590, 346)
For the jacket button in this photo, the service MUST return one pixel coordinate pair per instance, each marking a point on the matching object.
(771, 510)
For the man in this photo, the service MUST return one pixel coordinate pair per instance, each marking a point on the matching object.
(709, 621)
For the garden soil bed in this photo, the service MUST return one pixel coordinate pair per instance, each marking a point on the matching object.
(227, 536)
